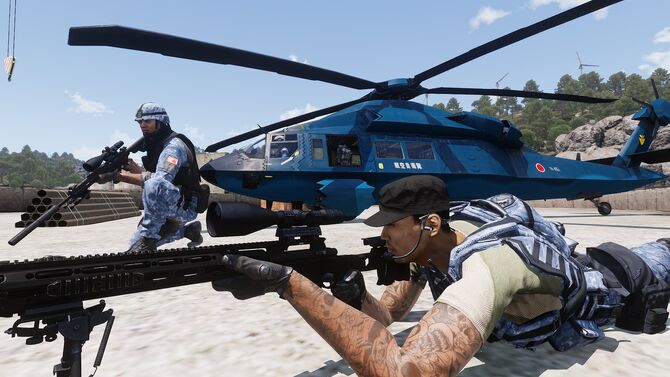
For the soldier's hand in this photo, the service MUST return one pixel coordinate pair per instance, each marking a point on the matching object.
(132, 167)
(351, 289)
(113, 176)
(258, 277)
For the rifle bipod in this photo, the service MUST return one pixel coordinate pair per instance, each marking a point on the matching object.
(74, 323)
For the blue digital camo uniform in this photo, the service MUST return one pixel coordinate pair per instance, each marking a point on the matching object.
(162, 199)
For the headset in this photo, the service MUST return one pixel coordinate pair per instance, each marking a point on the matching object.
(424, 227)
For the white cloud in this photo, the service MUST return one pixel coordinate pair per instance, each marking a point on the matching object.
(86, 106)
(663, 36)
(487, 15)
(84, 152)
(657, 59)
(567, 4)
(295, 58)
(194, 134)
(601, 14)
(296, 111)
(124, 136)
(563, 4)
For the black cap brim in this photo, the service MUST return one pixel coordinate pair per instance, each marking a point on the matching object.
(382, 218)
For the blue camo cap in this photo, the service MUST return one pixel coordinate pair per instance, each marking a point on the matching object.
(151, 110)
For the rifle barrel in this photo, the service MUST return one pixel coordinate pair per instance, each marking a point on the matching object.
(46, 215)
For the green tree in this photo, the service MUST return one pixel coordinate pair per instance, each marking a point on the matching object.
(440, 106)
(484, 106)
(661, 77)
(591, 83)
(616, 84)
(507, 105)
(530, 86)
(453, 106)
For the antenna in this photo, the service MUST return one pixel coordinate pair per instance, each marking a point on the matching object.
(581, 65)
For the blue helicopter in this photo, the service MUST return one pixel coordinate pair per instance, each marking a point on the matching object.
(341, 161)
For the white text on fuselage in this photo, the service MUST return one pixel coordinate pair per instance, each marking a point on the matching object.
(408, 165)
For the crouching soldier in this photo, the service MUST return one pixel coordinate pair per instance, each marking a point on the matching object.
(172, 195)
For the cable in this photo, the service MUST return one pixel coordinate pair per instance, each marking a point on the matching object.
(14, 32)
(9, 24)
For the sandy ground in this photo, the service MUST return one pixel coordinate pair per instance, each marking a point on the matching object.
(195, 331)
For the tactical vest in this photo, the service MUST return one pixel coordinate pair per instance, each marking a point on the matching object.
(187, 178)
(585, 301)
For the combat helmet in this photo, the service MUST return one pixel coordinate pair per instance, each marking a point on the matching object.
(151, 110)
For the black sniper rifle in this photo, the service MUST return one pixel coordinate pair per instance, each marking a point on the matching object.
(111, 159)
(52, 289)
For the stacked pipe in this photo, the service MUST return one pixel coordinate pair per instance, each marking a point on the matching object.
(99, 207)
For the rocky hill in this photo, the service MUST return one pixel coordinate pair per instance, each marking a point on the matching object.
(605, 138)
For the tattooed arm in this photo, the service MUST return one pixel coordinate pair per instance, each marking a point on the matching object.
(396, 302)
(440, 345)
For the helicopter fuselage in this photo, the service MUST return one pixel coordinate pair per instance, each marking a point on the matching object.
(342, 161)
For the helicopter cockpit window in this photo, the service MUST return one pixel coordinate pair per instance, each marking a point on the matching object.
(283, 145)
(388, 149)
(419, 151)
(343, 150)
(256, 149)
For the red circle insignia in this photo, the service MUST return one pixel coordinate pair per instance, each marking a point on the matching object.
(539, 167)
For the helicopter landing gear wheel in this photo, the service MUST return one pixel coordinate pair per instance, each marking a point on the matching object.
(604, 208)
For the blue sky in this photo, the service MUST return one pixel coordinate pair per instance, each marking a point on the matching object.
(79, 99)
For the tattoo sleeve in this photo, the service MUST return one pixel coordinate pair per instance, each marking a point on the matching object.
(440, 345)
(397, 300)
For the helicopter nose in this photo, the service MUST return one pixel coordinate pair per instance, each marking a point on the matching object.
(207, 172)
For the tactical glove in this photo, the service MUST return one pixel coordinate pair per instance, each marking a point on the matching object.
(351, 289)
(258, 277)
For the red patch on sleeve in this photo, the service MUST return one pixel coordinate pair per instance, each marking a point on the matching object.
(172, 160)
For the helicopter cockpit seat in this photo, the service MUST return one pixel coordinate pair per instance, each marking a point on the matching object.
(344, 155)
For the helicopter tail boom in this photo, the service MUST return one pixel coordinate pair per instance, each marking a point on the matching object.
(652, 116)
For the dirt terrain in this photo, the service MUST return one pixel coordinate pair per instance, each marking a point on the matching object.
(195, 331)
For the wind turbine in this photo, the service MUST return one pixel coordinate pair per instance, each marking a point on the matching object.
(581, 65)
(501, 79)
(498, 87)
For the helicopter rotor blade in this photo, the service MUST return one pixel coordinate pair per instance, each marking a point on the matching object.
(169, 45)
(281, 124)
(514, 37)
(520, 93)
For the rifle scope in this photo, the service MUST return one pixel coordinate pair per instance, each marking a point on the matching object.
(95, 162)
(226, 219)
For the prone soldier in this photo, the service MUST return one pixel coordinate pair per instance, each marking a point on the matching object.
(497, 271)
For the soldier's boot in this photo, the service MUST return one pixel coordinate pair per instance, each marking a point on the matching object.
(193, 231)
(144, 245)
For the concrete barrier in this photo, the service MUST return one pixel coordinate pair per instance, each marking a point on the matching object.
(16, 199)
(653, 199)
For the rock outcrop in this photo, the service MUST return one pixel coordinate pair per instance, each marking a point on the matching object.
(605, 138)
